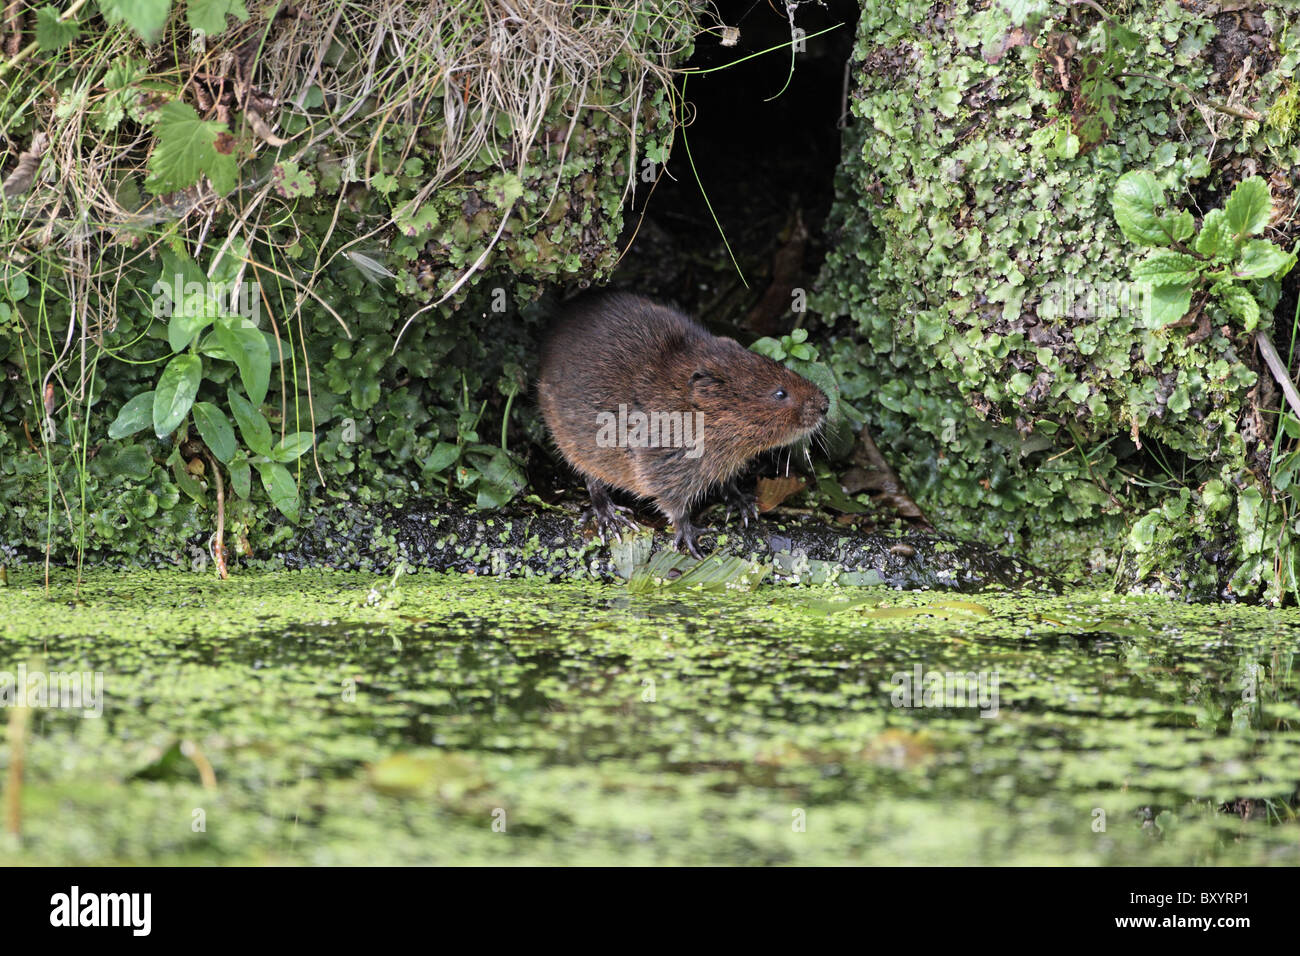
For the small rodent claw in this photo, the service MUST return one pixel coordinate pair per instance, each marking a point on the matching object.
(687, 539)
(611, 520)
(746, 505)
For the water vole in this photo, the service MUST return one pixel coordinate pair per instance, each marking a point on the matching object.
(641, 397)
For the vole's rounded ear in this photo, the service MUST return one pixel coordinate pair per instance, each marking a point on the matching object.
(702, 378)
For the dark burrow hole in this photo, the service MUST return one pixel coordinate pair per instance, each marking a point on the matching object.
(764, 144)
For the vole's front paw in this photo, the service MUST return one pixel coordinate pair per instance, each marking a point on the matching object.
(687, 538)
(611, 520)
(742, 502)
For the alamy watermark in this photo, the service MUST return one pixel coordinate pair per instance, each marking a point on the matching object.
(74, 690)
(638, 429)
(1094, 300)
(242, 299)
(922, 688)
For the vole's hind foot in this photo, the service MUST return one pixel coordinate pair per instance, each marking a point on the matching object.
(611, 519)
(741, 502)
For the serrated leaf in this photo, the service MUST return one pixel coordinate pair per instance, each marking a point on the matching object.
(1249, 207)
(1168, 268)
(1134, 202)
(292, 446)
(1241, 304)
(252, 424)
(209, 16)
(1167, 304)
(1214, 238)
(177, 386)
(53, 33)
(280, 486)
(215, 430)
(145, 17)
(135, 415)
(1260, 259)
(1138, 202)
(189, 147)
(246, 346)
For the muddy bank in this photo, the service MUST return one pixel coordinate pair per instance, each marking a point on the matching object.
(553, 543)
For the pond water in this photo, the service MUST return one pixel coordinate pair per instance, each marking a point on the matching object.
(319, 718)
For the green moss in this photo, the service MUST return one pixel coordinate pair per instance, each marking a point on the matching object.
(975, 204)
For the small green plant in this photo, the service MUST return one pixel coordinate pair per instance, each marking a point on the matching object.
(210, 343)
(1223, 263)
(487, 471)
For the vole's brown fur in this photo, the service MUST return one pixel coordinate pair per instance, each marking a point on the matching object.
(613, 349)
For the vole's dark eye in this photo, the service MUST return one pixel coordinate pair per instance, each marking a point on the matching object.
(779, 395)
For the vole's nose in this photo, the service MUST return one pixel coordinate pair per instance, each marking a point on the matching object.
(823, 403)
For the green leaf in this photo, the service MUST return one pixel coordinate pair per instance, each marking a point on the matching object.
(443, 455)
(190, 317)
(1214, 238)
(53, 33)
(246, 346)
(1167, 304)
(177, 386)
(135, 415)
(252, 425)
(293, 446)
(1240, 304)
(280, 486)
(1261, 259)
(189, 147)
(1135, 200)
(1168, 268)
(214, 428)
(187, 482)
(1249, 207)
(1139, 205)
(145, 17)
(241, 478)
(209, 16)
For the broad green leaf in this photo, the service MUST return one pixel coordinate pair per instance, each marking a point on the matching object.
(1214, 238)
(145, 17)
(53, 33)
(1135, 201)
(190, 316)
(1167, 304)
(241, 478)
(1249, 207)
(252, 425)
(209, 16)
(184, 480)
(1168, 268)
(443, 455)
(1260, 259)
(189, 147)
(280, 486)
(214, 428)
(502, 470)
(292, 447)
(135, 415)
(247, 348)
(1240, 304)
(177, 386)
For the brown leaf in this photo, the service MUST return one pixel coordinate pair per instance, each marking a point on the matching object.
(770, 492)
